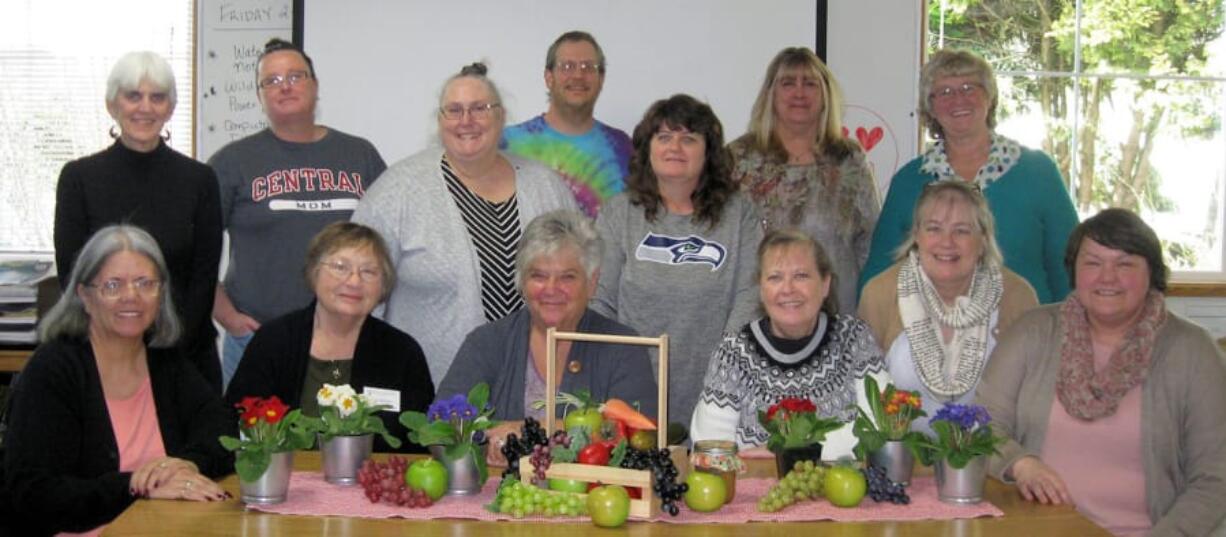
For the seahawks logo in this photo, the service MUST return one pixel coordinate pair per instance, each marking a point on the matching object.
(681, 250)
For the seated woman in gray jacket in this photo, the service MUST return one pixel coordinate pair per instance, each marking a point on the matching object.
(558, 265)
(1109, 401)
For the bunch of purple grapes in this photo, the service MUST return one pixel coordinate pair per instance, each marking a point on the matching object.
(533, 435)
(881, 489)
(385, 482)
(664, 475)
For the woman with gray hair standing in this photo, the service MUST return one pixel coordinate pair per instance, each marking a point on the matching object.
(938, 311)
(140, 180)
(106, 411)
(453, 217)
(1024, 188)
(558, 266)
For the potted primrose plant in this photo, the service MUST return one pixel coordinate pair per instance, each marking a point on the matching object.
(886, 438)
(346, 427)
(269, 433)
(796, 432)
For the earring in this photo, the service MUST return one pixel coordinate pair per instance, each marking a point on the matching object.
(114, 135)
(166, 135)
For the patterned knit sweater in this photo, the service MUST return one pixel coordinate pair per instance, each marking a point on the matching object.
(745, 376)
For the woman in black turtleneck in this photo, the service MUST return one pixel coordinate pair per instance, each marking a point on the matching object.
(140, 180)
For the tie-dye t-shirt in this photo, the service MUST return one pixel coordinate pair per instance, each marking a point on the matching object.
(594, 164)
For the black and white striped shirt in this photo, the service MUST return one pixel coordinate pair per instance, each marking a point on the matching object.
(495, 232)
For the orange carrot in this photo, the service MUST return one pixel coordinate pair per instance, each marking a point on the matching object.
(616, 409)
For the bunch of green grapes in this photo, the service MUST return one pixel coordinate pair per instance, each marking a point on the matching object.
(519, 500)
(803, 483)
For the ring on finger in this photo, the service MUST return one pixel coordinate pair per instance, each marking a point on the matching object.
(188, 484)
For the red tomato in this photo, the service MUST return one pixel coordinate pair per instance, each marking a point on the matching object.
(596, 453)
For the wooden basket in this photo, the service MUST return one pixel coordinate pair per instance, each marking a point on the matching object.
(649, 505)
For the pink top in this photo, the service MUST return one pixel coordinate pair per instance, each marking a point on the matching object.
(1100, 462)
(135, 421)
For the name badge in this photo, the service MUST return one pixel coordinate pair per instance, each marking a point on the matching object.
(383, 396)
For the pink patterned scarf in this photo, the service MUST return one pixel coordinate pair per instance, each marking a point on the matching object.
(1090, 395)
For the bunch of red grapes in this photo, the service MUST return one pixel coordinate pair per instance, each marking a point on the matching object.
(385, 482)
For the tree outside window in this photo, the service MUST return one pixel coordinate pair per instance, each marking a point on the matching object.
(1125, 95)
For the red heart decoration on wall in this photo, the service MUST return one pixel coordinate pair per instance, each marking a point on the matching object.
(869, 138)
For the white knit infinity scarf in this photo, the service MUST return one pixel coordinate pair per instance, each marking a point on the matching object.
(948, 370)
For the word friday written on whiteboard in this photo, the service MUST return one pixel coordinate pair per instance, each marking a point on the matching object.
(233, 35)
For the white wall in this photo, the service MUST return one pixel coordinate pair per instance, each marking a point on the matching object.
(874, 49)
(381, 63)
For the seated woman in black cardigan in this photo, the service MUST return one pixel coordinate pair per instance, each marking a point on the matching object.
(107, 410)
(336, 340)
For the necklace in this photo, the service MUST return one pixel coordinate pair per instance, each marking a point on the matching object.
(336, 370)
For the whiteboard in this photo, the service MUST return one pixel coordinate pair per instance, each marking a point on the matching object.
(382, 63)
(230, 36)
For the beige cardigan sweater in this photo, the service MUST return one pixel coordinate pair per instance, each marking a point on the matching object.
(879, 304)
(1183, 414)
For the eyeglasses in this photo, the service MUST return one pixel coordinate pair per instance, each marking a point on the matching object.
(455, 112)
(112, 289)
(292, 78)
(585, 67)
(965, 89)
(342, 270)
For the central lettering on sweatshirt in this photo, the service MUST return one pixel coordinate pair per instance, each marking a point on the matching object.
(285, 182)
(681, 250)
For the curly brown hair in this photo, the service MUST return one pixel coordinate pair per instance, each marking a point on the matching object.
(715, 184)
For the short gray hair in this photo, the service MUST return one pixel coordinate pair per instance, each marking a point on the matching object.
(554, 230)
(134, 67)
(68, 317)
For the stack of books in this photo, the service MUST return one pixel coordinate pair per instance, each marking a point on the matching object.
(20, 275)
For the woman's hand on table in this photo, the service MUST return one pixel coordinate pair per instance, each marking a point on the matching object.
(158, 472)
(1037, 482)
(190, 486)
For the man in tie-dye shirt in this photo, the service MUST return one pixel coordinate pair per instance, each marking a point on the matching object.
(594, 158)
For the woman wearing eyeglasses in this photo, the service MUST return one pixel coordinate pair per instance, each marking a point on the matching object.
(1024, 188)
(140, 180)
(107, 411)
(336, 340)
(453, 218)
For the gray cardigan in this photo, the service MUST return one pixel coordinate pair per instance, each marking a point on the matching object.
(1183, 414)
(437, 298)
(497, 354)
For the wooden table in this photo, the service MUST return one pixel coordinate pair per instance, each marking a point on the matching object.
(230, 518)
(13, 360)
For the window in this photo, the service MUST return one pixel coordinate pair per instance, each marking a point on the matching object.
(1125, 95)
(54, 61)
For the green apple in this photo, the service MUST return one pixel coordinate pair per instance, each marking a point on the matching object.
(844, 486)
(568, 485)
(609, 506)
(428, 475)
(589, 418)
(707, 492)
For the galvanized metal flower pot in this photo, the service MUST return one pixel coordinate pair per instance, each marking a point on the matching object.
(961, 485)
(463, 476)
(273, 486)
(896, 459)
(343, 457)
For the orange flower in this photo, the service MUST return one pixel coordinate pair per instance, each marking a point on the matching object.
(891, 409)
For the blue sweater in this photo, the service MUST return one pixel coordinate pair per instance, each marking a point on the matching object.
(1034, 216)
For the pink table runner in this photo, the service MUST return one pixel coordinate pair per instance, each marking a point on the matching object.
(309, 494)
